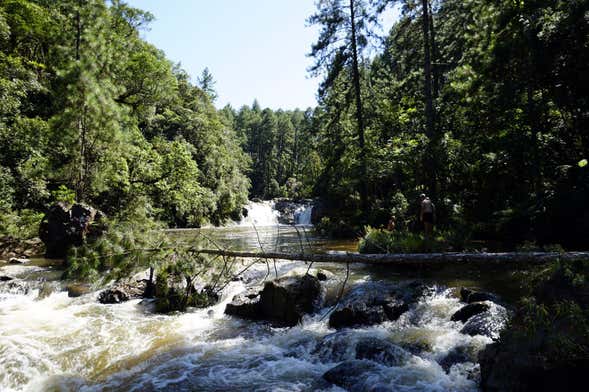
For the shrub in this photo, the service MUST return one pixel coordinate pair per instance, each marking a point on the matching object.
(384, 241)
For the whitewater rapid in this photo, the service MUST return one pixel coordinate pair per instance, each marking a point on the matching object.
(59, 343)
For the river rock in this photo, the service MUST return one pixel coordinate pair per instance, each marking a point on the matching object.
(5, 278)
(283, 302)
(470, 296)
(123, 291)
(381, 351)
(15, 286)
(466, 312)
(371, 304)
(489, 323)
(63, 227)
(77, 290)
(351, 375)
(245, 305)
(17, 260)
(459, 354)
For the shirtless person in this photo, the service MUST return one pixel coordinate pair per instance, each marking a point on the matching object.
(427, 214)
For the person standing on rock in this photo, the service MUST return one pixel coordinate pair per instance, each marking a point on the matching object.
(427, 214)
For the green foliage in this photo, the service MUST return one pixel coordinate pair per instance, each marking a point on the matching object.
(384, 241)
(126, 247)
(23, 224)
(64, 194)
(551, 324)
(87, 105)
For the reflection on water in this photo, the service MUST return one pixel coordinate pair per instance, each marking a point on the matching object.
(70, 344)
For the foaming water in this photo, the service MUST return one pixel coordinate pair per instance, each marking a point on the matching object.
(260, 213)
(57, 343)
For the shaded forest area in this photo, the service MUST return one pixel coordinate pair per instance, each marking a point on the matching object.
(481, 104)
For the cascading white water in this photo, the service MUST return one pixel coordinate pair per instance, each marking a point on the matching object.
(76, 344)
(302, 214)
(264, 214)
(259, 214)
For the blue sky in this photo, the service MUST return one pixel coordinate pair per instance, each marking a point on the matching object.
(254, 49)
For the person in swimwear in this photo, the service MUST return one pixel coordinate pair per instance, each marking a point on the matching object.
(427, 214)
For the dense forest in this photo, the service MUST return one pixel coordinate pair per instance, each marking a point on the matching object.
(480, 104)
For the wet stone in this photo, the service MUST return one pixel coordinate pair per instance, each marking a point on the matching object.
(468, 311)
(17, 260)
(381, 351)
(351, 375)
(489, 323)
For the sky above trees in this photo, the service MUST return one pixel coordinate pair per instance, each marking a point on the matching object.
(254, 50)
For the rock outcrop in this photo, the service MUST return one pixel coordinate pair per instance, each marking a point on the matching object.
(123, 291)
(283, 302)
(470, 296)
(374, 304)
(466, 312)
(64, 226)
(351, 375)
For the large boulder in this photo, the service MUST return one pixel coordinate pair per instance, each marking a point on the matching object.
(64, 226)
(381, 351)
(471, 296)
(351, 375)
(245, 305)
(283, 302)
(489, 323)
(466, 312)
(374, 303)
(123, 291)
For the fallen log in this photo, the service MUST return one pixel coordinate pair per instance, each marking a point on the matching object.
(515, 258)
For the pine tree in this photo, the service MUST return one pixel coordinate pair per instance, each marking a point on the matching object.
(343, 37)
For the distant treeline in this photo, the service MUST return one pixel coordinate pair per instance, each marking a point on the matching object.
(481, 104)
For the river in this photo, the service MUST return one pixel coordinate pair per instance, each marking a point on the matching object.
(57, 343)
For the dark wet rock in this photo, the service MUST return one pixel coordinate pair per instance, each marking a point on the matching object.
(459, 354)
(5, 278)
(245, 305)
(466, 312)
(336, 347)
(18, 260)
(112, 296)
(77, 290)
(505, 370)
(287, 209)
(321, 276)
(480, 297)
(15, 286)
(351, 375)
(64, 227)
(489, 323)
(470, 296)
(283, 302)
(373, 304)
(123, 291)
(381, 351)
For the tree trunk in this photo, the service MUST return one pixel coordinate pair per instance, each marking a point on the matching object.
(511, 258)
(429, 107)
(359, 114)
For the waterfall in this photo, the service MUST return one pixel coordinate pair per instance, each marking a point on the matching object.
(302, 215)
(277, 212)
(260, 213)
